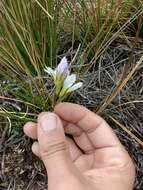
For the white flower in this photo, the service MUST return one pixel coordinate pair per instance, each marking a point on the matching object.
(63, 68)
(61, 71)
(75, 87)
(69, 85)
(51, 72)
(69, 81)
(64, 82)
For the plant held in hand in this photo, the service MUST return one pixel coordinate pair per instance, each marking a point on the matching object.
(64, 82)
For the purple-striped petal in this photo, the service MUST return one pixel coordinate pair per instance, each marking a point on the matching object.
(63, 68)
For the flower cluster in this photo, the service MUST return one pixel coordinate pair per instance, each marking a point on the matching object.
(64, 82)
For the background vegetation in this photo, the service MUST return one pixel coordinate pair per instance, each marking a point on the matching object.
(102, 40)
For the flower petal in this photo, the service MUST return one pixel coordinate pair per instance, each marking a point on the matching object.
(69, 81)
(75, 87)
(54, 75)
(49, 70)
(63, 68)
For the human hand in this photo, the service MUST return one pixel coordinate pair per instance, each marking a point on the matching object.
(93, 159)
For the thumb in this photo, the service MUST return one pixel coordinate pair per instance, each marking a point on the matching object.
(53, 147)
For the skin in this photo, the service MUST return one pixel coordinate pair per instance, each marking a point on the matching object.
(92, 158)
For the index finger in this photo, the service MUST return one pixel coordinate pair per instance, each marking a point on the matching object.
(98, 131)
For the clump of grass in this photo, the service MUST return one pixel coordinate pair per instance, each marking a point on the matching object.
(28, 43)
(96, 24)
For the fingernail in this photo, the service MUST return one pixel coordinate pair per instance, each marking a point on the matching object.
(48, 122)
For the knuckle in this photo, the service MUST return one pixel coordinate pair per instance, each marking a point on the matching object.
(53, 149)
